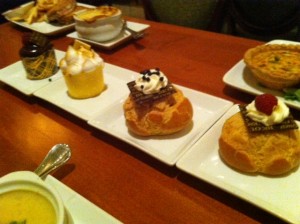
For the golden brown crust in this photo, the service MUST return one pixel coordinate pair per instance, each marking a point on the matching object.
(162, 117)
(62, 12)
(92, 14)
(271, 153)
(276, 66)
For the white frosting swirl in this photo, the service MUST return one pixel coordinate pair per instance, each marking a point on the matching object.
(78, 61)
(151, 81)
(280, 112)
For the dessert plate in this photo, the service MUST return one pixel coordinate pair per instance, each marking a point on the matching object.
(123, 37)
(207, 110)
(115, 81)
(277, 195)
(81, 210)
(14, 75)
(241, 78)
(42, 27)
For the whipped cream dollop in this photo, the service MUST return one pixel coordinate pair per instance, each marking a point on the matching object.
(80, 60)
(151, 81)
(280, 112)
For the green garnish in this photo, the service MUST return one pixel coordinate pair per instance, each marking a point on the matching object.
(292, 94)
(18, 222)
(275, 59)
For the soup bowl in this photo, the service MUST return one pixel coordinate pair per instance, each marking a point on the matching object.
(99, 24)
(25, 197)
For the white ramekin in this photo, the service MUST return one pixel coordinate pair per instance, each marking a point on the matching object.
(100, 30)
(26, 180)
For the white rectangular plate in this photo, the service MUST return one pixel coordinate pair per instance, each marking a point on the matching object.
(124, 36)
(277, 195)
(116, 87)
(241, 78)
(42, 27)
(81, 210)
(14, 75)
(207, 110)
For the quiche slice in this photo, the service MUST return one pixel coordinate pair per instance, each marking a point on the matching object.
(276, 66)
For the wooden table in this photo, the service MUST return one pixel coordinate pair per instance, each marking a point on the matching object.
(125, 182)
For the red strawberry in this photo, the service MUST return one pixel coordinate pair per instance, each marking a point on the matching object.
(266, 103)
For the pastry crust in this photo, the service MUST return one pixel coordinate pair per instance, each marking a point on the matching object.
(276, 66)
(270, 153)
(162, 117)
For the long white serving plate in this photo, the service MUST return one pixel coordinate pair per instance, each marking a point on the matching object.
(240, 77)
(277, 195)
(80, 209)
(105, 111)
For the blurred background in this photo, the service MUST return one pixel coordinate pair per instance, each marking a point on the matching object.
(256, 19)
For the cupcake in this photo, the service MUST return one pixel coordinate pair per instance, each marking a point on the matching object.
(261, 138)
(38, 57)
(155, 107)
(82, 69)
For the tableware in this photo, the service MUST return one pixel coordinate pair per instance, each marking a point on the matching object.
(28, 182)
(56, 157)
(80, 209)
(277, 195)
(115, 79)
(124, 36)
(100, 28)
(14, 75)
(240, 77)
(41, 27)
(135, 34)
(168, 149)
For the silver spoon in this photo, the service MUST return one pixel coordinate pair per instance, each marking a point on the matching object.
(56, 157)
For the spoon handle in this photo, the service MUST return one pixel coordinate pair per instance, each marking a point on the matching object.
(56, 157)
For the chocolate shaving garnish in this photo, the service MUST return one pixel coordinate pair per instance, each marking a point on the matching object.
(140, 98)
(254, 126)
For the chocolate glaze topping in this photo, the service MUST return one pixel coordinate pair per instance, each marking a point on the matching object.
(34, 44)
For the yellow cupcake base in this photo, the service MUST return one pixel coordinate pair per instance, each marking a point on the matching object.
(86, 84)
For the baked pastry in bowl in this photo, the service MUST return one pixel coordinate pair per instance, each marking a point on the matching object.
(99, 24)
(276, 66)
(252, 141)
(155, 107)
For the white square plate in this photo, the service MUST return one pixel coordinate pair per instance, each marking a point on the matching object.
(81, 210)
(241, 78)
(42, 27)
(116, 88)
(207, 110)
(277, 195)
(124, 36)
(14, 75)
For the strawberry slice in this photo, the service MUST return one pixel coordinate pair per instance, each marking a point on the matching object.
(266, 103)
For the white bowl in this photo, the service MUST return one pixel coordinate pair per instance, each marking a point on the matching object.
(100, 28)
(26, 180)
